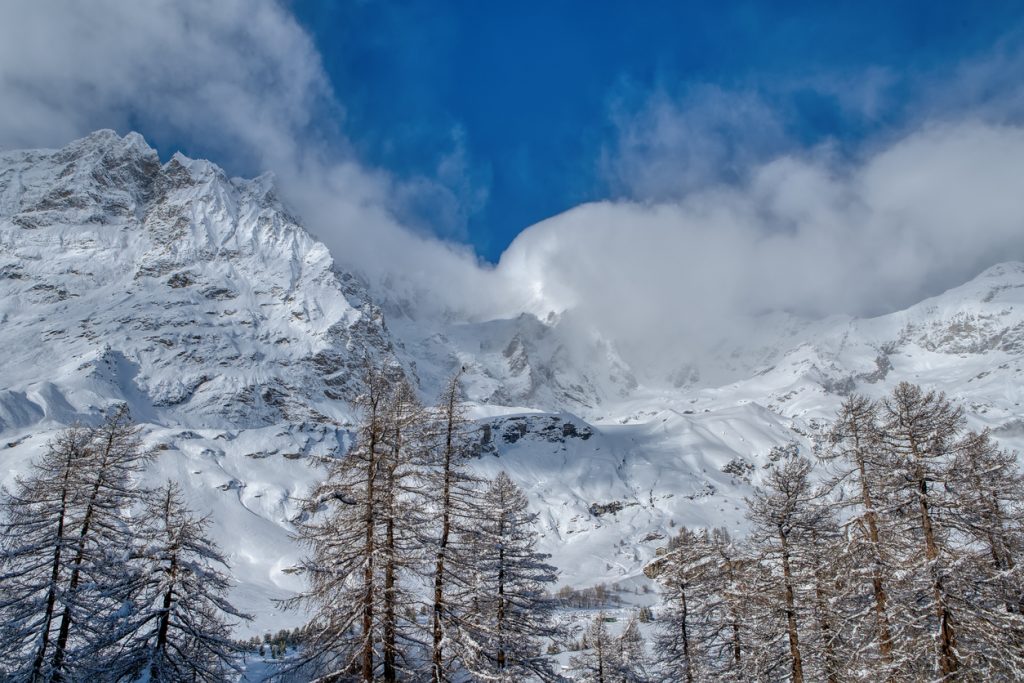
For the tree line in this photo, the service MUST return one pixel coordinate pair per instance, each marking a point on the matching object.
(102, 580)
(893, 556)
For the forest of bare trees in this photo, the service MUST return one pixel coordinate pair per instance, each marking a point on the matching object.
(90, 591)
(402, 517)
(893, 557)
(890, 553)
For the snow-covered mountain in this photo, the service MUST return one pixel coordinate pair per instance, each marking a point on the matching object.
(238, 342)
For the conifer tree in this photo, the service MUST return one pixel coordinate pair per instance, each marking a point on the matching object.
(401, 521)
(508, 610)
(364, 539)
(783, 515)
(631, 654)
(453, 493)
(704, 594)
(688, 586)
(340, 526)
(72, 511)
(596, 663)
(859, 464)
(919, 432)
(180, 629)
(38, 535)
(987, 511)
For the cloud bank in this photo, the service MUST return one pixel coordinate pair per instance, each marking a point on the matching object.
(803, 234)
(717, 218)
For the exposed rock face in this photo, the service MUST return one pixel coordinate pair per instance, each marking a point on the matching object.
(188, 293)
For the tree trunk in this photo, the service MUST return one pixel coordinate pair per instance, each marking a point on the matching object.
(885, 642)
(794, 639)
(949, 664)
(737, 650)
(76, 564)
(368, 551)
(163, 626)
(51, 594)
(500, 626)
(437, 658)
(390, 627)
(825, 625)
(390, 616)
(684, 635)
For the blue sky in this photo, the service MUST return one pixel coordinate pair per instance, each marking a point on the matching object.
(526, 100)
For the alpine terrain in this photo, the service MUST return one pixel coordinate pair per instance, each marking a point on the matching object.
(239, 344)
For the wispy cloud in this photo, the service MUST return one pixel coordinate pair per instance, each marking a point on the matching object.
(240, 82)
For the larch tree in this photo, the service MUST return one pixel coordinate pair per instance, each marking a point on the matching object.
(340, 527)
(453, 493)
(691, 583)
(401, 546)
(783, 515)
(105, 534)
(987, 513)
(507, 612)
(631, 654)
(66, 575)
(365, 539)
(853, 450)
(181, 624)
(596, 663)
(919, 432)
(38, 536)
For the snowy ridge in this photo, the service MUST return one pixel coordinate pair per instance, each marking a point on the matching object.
(192, 295)
(199, 300)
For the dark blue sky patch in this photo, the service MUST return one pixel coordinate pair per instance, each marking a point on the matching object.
(522, 94)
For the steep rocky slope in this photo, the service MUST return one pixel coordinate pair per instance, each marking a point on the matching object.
(195, 296)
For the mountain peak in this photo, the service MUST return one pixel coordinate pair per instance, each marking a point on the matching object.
(1007, 270)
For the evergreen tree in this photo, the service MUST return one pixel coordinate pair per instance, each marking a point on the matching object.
(508, 611)
(180, 630)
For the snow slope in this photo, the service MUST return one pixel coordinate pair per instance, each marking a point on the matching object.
(237, 341)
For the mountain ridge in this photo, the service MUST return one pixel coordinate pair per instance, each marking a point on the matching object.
(238, 342)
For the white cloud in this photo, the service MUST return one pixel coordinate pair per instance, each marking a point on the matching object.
(237, 80)
(674, 145)
(668, 280)
(665, 277)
